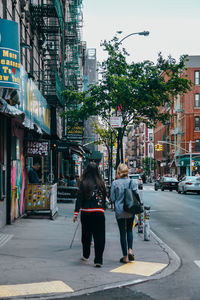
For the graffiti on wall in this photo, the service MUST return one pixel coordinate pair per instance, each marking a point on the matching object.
(17, 191)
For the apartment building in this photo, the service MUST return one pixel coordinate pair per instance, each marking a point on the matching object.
(182, 134)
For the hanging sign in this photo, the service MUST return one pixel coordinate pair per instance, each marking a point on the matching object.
(37, 148)
(9, 54)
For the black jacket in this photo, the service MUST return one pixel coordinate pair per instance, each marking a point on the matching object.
(95, 203)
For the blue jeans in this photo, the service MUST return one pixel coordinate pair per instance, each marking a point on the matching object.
(126, 234)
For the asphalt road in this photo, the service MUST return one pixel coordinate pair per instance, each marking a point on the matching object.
(175, 219)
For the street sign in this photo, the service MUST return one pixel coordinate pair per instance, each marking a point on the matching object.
(116, 122)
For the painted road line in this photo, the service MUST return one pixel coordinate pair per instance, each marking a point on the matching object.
(34, 289)
(4, 238)
(140, 268)
(197, 262)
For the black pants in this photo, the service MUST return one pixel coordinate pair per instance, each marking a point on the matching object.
(93, 224)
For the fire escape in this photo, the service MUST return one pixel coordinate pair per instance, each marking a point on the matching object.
(47, 18)
(74, 46)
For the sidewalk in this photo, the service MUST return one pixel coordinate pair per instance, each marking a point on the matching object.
(38, 250)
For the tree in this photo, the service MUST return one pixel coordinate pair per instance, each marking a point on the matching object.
(106, 136)
(136, 91)
(149, 164)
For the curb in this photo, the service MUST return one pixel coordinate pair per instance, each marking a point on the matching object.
(173, 265)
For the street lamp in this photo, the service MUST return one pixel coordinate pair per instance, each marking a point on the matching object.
(119, 140)
(145, 33)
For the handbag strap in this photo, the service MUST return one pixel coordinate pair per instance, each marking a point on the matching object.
(130, 184)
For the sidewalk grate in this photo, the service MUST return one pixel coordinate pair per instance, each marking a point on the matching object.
(34, 289)
(4, 238)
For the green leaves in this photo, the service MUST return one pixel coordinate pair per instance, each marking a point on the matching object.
(140, 89)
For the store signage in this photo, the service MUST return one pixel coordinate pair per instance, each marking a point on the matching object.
(9, 54)
(75, 129)
(66, 193)
(37, 148)
(32, 103)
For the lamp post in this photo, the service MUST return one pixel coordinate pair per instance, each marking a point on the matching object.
(119, 139)
(145, 33)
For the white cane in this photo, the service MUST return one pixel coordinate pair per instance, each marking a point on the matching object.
(74, 235)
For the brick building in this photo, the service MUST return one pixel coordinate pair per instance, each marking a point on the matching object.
(183, 129)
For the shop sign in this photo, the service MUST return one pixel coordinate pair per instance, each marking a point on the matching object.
(75, 129)
(9, 54)
(66, 193)
(32, 103)
(37, 148)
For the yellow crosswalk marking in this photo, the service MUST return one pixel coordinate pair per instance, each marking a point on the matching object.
(140, 268)
(34, 288)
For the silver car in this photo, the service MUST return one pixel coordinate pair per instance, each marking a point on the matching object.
(139, 180)
(189, 184)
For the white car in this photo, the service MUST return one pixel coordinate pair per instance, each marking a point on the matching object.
(189, 184)
(139, 180)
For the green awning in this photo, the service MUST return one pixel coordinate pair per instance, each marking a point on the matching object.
(95, 155)
(185, 161)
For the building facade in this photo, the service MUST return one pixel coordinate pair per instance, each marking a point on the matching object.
(182, 134)
(51, 58)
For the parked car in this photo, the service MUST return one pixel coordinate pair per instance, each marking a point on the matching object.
(139, 180)
(189, 184)
(166, 183)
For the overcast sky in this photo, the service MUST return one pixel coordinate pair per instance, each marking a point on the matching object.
(174, 26)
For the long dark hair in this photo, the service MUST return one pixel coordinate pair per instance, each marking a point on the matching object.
(92, 178)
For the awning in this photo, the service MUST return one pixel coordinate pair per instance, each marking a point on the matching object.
(95, 155)
(10, 95)
(10, 110)
(65, 145)
(185, 161)
(30, 125)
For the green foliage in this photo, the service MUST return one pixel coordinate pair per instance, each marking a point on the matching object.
(104, 135)
(140, 89)
(147, 162)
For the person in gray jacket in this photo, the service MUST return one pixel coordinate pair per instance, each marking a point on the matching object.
(124, 220)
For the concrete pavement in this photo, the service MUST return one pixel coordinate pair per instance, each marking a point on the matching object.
(36, 259)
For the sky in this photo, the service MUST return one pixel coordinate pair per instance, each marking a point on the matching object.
(173, 25)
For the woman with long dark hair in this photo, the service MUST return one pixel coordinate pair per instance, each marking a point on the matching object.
(91, 202)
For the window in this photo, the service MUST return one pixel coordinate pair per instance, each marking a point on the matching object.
(196, 100)
(196, 77)
(197, 146)
(150, 136)
(197, 123)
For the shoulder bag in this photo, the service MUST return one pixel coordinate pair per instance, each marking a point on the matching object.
(132, 203)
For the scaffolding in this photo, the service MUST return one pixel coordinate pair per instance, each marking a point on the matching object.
(47, 17)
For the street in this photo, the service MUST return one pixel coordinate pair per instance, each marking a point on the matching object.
(175, 219)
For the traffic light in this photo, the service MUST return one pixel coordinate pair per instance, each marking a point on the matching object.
(158, 147)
